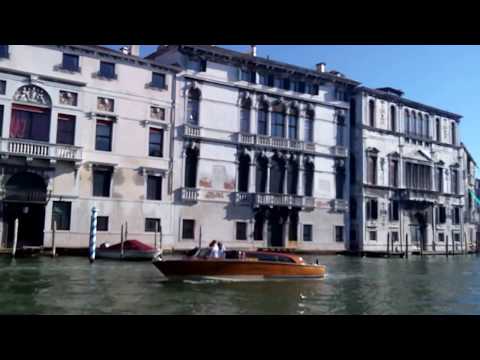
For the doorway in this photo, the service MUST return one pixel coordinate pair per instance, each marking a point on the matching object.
(25, 200)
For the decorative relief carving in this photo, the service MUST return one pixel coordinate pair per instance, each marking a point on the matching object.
(105, 104)
(32, 94)
(157, 113)
(68, 98)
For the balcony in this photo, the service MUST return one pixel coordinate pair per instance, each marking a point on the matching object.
(339, 205)
(25, 196)
(190, 194)
(275, 142)
(284, 200)
(418, 195)
(191, 131)
(339, 151)
(40, 150)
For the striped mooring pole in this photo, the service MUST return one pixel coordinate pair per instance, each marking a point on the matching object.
(93, 235)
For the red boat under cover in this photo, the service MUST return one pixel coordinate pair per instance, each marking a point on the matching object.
(132, 245)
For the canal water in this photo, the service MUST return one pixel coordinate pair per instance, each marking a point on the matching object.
(70, 285)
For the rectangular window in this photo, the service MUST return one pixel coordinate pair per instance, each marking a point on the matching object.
(372, 170)
(308, 130)
(101, 182)
(456, 216)
(3, 87)
(394, 236)
(107, 70)
(286, 84)
(102, 223)
(307, 232)
(441, 214)
(61, 211)
(4, 51)
(155, 145)
(393, 173)
(301, 87)
(278, 124)
(456, 237)
(103, 139)
(66, 129)
(70, 62)
(292, 127)
(241, 230)
(372, 209)
(454, 178)
(203, 65)
(262, 79)
(188, 229)
(1, 120)
(249, 76)
(393, 211)
(438, 130)
(152, 225)
(271, 80)
(262, 122)
(30, 122)
(339, 233)
(439, 179)
(157, 113)
(372, 235)
(154, 187)
(314, 89)
(158, 80)
(441, 237)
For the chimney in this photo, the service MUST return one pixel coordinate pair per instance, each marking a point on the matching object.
(253, 50)
(134, 50)
(125, 50)
(321, 67)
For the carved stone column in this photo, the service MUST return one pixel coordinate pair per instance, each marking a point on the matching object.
(300, 180)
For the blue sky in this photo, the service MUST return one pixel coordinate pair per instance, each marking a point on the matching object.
(443, 76)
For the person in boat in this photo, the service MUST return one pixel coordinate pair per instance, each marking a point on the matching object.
(221, 250)
(214, 249)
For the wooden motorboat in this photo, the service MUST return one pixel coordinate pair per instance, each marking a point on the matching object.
(132, 250)
(250, 264)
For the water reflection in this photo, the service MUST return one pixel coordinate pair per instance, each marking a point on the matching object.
(69, 285)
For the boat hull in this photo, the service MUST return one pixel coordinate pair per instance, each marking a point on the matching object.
(237, 268)
(128, 255)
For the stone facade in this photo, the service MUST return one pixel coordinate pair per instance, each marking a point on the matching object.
(210, 144)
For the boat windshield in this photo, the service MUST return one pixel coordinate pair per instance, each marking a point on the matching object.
(271, 257)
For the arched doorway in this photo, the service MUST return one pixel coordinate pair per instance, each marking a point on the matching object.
(418, 229)
(25, 199)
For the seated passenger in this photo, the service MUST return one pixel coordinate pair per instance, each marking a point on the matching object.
(221, 250)
(213, 249)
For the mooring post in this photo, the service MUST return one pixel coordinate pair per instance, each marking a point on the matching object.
(155, 235)
(54, 229)
(446, 246)
(453, 245)
(388, 245)
(121, 241)
(200, 239)
(160, 235)
(406, 246)
(15, 237)
(93, 235)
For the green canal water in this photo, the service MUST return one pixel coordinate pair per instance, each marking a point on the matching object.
(70, 285)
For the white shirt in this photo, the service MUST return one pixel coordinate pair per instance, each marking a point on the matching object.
(214, 251)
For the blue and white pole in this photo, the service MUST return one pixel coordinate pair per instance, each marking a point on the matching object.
(93, 235)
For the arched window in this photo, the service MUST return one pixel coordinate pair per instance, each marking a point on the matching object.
(426, 127)
(245, 116)
(371, 113)
(438, 130)
(420, 125)
(243, 172)
(292, 177)
(278, 120)
(309, 126)
(293, 124)
(407, 122)
(191, 162)
(277, 175)
(193, 107)
(262, 125)
(261, 175)
(308, 178)
(454, 134)
(393, 118)
(413, 124)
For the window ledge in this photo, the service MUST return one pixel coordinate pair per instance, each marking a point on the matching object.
(151, 86)
(97, 75)
(60, 68)
(161, 123)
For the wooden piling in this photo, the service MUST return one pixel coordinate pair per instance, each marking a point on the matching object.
(15, 237)
(159, 229)
(155, 235)
(54, 230)
(406, 246)
(453, 245)
(388, 244)
(122, 240)
(446, 246)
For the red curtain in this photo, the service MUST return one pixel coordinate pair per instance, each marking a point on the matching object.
(19, 124)
(30, 122)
